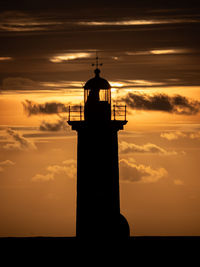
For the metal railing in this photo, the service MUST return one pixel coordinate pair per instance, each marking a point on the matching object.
(119, 112)
(76, 113)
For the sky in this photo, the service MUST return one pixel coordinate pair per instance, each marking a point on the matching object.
(150, 54)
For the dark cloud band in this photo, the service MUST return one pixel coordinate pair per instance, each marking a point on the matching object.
(161, 102)
(32, 108)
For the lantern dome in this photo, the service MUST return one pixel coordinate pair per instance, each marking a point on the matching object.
(97, 82)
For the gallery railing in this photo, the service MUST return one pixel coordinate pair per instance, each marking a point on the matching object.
(76, 113)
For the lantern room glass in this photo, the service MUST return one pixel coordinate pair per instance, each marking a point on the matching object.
(104, 95)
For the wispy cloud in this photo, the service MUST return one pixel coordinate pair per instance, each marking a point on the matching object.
(20, 142)
(173, 135)
(19, 83)
(6, 163)
(117, 84)
(18, 21)
(138, 22)
(178, 182)
(195, 135)
(26, 84)
(63, 84)
(126, 148)
(60, 124)
(133, 83)
(132, 172)
(158, 52)
(5, 58)
(69, 57)
(66, 168)
(43, 177)
(167, 51)
(15, 21)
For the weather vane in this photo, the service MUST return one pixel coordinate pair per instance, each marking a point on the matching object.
(97, 64)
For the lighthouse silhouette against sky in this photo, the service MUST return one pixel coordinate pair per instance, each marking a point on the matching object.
(98, 199)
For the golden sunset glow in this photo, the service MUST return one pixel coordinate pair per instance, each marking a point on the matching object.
(135, 22)
(5, 58)
(70, 56)
(158, 52)
(164, 52)
(149, 54)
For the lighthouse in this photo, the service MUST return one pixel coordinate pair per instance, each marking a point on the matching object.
(98, 198)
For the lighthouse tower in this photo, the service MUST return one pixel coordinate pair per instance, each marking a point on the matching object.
(98, 202)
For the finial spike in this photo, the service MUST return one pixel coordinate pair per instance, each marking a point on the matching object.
(97, 64)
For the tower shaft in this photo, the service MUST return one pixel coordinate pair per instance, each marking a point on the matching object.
(98, 204)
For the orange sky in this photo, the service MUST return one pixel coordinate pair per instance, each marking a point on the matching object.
(38, 190)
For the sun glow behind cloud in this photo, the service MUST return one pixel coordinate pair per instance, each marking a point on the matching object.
(169, 51)
(5, 58)
(158, 52)
(63, 84)
(116, 84)
(143, 83)
(16, 21)
(136, 22)
(28, 26)
(69, 57)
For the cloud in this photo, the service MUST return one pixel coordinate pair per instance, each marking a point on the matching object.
(173, 135)
(161, 102)
(32, 108)
(69, 57)
(15, 21)
(138, 22)
(126, 148)
(178, 182)
(20, 143)
(60, 124)
(52, 20)
(19, 83)
(158, 52)
(67, 168)
(25, 84)
(195, 135)
(5, 58)
(43, 177)
(6, 163)
(177, 134)
(145, 83)
(131, 172)
(167, 51)
(127, 84)
(63, 85)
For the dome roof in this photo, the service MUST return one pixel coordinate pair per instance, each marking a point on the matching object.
(97, 82)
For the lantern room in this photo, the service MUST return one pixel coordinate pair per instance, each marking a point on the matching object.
(97, 98)
(97, 89)
(97, 102)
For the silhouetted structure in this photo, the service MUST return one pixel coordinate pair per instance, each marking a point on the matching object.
(98, 203)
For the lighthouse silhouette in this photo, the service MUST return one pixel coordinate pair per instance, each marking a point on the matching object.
(98, 199)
